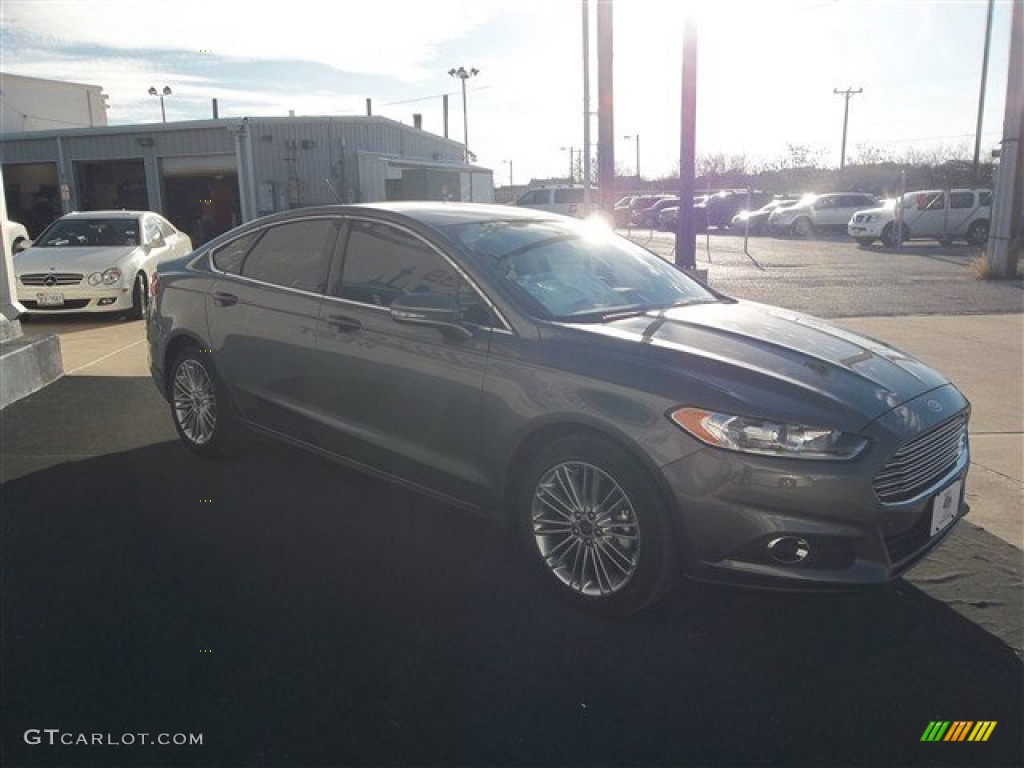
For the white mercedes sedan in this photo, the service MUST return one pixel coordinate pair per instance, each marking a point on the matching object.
(96, 261)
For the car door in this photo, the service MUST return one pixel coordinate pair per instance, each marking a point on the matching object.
(262, 312)
(927, 217)
(403, 399)
(962, 208)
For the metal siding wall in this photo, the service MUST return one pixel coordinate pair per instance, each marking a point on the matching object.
(29, 151)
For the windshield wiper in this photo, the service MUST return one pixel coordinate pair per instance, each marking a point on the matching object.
(624, 313)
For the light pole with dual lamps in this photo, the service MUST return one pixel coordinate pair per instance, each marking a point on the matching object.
(463, 74)
(165, 92)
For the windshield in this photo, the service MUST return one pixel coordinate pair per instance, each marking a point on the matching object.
(577, 271)
(90, 233)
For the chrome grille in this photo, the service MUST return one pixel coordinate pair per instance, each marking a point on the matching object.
(62, 278)
(922, 462)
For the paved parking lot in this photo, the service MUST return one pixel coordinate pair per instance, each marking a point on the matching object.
(293, 612)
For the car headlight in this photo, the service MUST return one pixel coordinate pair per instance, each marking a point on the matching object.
(762, 436)
(109, 276)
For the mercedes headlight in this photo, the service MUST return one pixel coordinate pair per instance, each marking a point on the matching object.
(111, 276)
(766, 437)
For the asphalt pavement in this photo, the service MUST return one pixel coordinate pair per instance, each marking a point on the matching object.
(292, 612)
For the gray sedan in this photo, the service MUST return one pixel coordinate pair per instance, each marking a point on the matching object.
(630, 423)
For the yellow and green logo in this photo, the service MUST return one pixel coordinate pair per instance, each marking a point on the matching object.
(958, 730)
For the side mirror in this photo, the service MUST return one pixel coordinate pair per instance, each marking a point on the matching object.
(157, 242)
(432, 309)
(22, 245)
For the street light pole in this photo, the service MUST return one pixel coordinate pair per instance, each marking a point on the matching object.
(463, 74)
(510, 182)
(637, 138)
(165, 92)
(572, 163)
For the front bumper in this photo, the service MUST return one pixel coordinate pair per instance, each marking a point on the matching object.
(74, 299)
(798, 524)
(870, 229)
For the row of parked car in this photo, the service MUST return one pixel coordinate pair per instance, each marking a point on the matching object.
(945, 215)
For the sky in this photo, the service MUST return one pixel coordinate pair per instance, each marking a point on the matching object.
(767, 70)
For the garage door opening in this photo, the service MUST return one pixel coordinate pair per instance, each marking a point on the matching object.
(201, 195)
(33, 195)
(112, 185)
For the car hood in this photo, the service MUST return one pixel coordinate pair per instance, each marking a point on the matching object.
(84, 260)
(754, 352)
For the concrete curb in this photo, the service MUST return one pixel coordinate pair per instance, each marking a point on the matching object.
(28, 364)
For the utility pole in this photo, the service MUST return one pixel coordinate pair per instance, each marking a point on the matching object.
(586, 106)
(981, 93)
(686, 230)
(605, 107)
(1004, 245)
(848, 93)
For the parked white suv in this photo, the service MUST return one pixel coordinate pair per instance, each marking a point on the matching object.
(945, 215)
(818, 212)
(567, 201)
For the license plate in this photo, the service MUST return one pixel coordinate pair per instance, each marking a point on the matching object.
(945, 507)
(50, 299)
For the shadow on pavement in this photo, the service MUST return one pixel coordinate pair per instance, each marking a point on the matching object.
(296, 613)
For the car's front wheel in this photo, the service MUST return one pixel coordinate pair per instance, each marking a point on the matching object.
(977, 233)
(596, 526)
(140, 298)
(199, 405)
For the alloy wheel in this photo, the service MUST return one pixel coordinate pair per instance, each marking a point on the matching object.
(195, 402)
(585, 528)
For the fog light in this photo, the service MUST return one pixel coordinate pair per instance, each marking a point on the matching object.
(789, 550)
(107, 301)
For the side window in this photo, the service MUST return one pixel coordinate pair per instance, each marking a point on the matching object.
(291, 255)
(165, 228)
(931, 202)
(382, 262)
(574, 195)
(961, 199)
(985, 198)
(531, 198)
(228, 258)
(825, 203)
(151, 230)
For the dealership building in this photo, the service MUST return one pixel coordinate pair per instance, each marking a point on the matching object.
(207, 176)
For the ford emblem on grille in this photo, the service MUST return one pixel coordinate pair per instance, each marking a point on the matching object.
(935, 406)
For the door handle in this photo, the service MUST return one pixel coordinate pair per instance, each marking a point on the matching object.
(222, 299)
(344, 323)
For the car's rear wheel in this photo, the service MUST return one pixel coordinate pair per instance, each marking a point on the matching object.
(595, 524)
(802, 227)
(977, 233)
(199, 405)
(140, 298)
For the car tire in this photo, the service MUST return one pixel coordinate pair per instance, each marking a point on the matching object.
(889, 238)
(199, 406)
(140, 298)
(977, 233)
(864, 242)
(596, 526)
(802, 227)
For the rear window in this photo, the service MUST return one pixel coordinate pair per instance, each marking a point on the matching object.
(228, 258)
